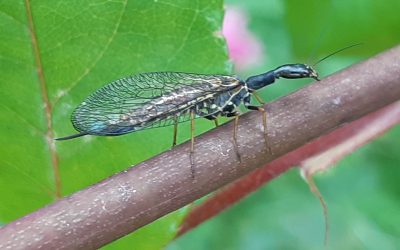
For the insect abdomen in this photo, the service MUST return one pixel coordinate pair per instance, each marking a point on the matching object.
(94, 118)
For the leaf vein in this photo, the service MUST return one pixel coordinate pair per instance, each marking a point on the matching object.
(98, 58)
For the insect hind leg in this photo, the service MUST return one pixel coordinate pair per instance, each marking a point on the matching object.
(175, 131)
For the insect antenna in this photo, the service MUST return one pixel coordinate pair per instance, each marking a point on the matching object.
(335, 52)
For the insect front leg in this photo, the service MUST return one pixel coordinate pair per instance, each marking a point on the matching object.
(235, 129)
(258, 98)
(248, 105)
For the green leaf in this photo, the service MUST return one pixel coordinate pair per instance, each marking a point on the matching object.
(77, 47)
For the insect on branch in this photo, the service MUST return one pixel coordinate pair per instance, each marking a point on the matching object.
(131, 199)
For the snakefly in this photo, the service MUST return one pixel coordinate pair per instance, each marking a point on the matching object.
(160, 99)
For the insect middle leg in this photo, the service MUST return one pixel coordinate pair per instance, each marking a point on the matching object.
(211, 118)
(216, 122)
(192, 113)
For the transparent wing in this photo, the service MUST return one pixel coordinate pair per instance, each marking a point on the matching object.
(146, 100)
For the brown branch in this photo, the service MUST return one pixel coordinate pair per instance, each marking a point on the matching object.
(237, 190)
(129, 200)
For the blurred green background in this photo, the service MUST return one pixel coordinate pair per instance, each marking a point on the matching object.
(85, 44)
